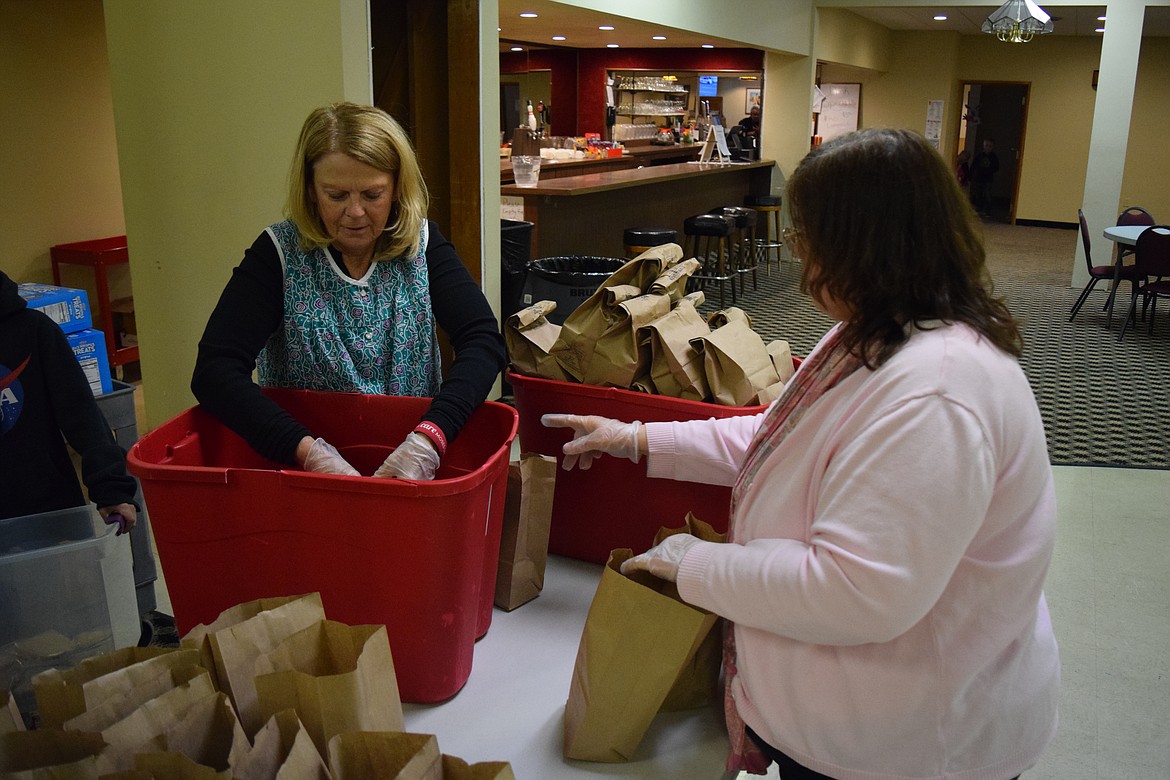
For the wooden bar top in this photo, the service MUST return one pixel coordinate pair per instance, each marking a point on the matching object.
(605, 181)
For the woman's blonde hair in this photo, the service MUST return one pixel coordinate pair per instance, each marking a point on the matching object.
(368, 135)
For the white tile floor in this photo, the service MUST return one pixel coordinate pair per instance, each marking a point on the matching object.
(1109, 593)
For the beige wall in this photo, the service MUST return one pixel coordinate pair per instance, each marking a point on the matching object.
(60, 181)
(925, 66)
(209, 98)
(1147, 164)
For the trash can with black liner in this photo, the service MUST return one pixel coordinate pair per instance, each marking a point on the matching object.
(515, 254)
(568, 281)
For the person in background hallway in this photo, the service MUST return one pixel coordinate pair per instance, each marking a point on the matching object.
(45, 403)
(984, 166)
(345, 295)
(892, 514)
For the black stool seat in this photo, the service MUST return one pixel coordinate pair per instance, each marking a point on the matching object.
(708, 225)
(744, 217)
(649, 236)
(755, 201)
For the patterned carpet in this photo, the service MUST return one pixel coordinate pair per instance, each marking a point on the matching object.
(1104, 402)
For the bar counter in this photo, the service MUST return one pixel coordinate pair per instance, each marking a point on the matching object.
(638, 156)
(586, 214)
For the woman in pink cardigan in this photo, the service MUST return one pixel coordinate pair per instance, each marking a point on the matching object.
(892, 513)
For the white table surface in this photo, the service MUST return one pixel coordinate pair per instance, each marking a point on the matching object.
(512, 707)
(1124, 234)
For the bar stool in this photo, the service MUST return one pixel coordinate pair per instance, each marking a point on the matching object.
(708, 238)
(768, 232)
(638, 239)
(743, 242)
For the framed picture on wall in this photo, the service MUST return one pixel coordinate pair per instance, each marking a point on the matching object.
(752, 99)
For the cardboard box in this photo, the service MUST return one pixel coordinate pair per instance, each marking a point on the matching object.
(125, 326)
(66, 306)
(90, 348)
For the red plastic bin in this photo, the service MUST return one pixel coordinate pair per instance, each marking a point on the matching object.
(614, 504)
(419, 557)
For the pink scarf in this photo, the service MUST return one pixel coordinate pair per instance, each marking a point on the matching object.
(819, 374)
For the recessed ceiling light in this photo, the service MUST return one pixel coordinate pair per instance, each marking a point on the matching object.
(517, 48)
(940, 18)
(528, 15)
(558, 37)
(1099, 29)
(611, 46)
(659, 37)
(1100, 18)
(606, 27)
(708, 46)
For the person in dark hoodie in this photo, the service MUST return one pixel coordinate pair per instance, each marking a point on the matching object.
(45, 401)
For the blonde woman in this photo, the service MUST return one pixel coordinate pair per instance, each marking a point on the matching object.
(345, 295)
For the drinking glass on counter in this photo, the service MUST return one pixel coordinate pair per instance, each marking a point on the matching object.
(526, 169)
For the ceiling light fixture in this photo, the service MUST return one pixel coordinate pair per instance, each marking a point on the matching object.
(558, 37)
(659, 37)
(606, 27)
(1099, 29)
(940, 18)
(708, 46)
(1100, 18)
(1017, 21)
(528, 15)
(517, 48)
(611, 45)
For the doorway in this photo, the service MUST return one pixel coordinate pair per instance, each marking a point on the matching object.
(996, 112)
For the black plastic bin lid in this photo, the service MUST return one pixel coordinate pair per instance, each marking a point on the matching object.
(577, 270)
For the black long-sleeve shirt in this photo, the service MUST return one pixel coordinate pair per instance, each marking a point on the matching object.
(44, 395)
(251, 309)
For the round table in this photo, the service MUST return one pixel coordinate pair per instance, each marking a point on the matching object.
(1126, 235)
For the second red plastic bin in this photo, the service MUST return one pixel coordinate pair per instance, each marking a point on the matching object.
(614, 504)
(419, 557)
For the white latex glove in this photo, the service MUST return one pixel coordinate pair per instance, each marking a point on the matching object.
(127, 511)
(594, 436)
(664, 559)
(323, 458)
(415, 458)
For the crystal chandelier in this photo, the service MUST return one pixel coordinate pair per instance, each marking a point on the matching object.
(1016, 21)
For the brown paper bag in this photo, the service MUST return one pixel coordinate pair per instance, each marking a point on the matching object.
(637, 638)
(676, 367)
(61, 695)
(337, 678)
(50, 754)
(458, 769)
(529, 337)
(736, 363)
(236, 647)
(10, 717)
(385, 755)
(119, 706)
(209, 734)
(780, 353)
(283, 750)
(618, 357)
(673, 281)
(144, 729)
(524, 540)
(165, 765)
(722, 317)
(201, 637)
(697, 684)
(574, 347)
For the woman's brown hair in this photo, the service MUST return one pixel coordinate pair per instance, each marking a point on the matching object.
(884, 228)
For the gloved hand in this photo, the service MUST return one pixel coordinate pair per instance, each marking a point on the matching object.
(127, 511)
(324, 458)
(415, 458)
(662, 560)
(594, 436)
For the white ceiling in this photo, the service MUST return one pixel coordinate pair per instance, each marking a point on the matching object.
(579, 25)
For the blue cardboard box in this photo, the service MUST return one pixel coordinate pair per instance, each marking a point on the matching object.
(65, 306)
(90, 348)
